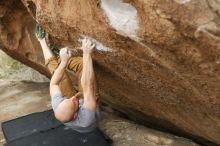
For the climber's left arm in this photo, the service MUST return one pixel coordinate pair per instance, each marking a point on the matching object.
(65, 54)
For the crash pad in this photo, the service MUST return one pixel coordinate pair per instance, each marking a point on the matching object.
(42, 128)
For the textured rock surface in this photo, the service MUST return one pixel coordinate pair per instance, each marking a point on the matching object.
(127, 133)
(160, 62)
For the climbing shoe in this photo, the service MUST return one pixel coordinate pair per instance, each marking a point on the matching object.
(55, 49)
(40, 32)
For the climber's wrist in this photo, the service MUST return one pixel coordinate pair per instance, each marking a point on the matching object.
(63, 63)
(86, 51)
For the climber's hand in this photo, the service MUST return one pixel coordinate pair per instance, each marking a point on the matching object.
(65, 54)
(87, 46)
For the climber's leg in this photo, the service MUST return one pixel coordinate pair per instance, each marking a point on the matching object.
(76, 64)
(52, 63)
(46, 51)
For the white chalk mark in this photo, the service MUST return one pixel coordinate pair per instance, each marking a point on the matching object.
(122, 17)
(99, 46)
(182, 1)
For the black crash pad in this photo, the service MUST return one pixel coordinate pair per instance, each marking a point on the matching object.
(30, 124)
(42, 128)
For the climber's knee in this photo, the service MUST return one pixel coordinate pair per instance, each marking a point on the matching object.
(75, 64)
(52, 64)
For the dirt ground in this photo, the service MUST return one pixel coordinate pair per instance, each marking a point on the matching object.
(21, 98)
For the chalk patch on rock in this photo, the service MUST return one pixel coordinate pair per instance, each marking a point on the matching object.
(182, 1)
(99, 46)
(209, 31)
(122, 17)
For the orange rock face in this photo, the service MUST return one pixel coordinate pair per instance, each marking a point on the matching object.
(157, 61)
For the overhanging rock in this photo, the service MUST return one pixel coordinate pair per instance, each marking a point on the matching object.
(159, 60)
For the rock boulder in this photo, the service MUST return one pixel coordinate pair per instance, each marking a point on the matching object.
(156, 61)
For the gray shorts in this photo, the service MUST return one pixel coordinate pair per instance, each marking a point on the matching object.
(86, 120)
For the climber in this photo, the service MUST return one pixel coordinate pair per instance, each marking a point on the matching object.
(76, 108)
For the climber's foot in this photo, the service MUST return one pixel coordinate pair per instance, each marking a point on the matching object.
(39, 32)
(55, 49)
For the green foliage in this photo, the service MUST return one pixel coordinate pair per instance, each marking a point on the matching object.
(7, 65)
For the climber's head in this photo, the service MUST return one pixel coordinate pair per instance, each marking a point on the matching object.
(67, 110)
